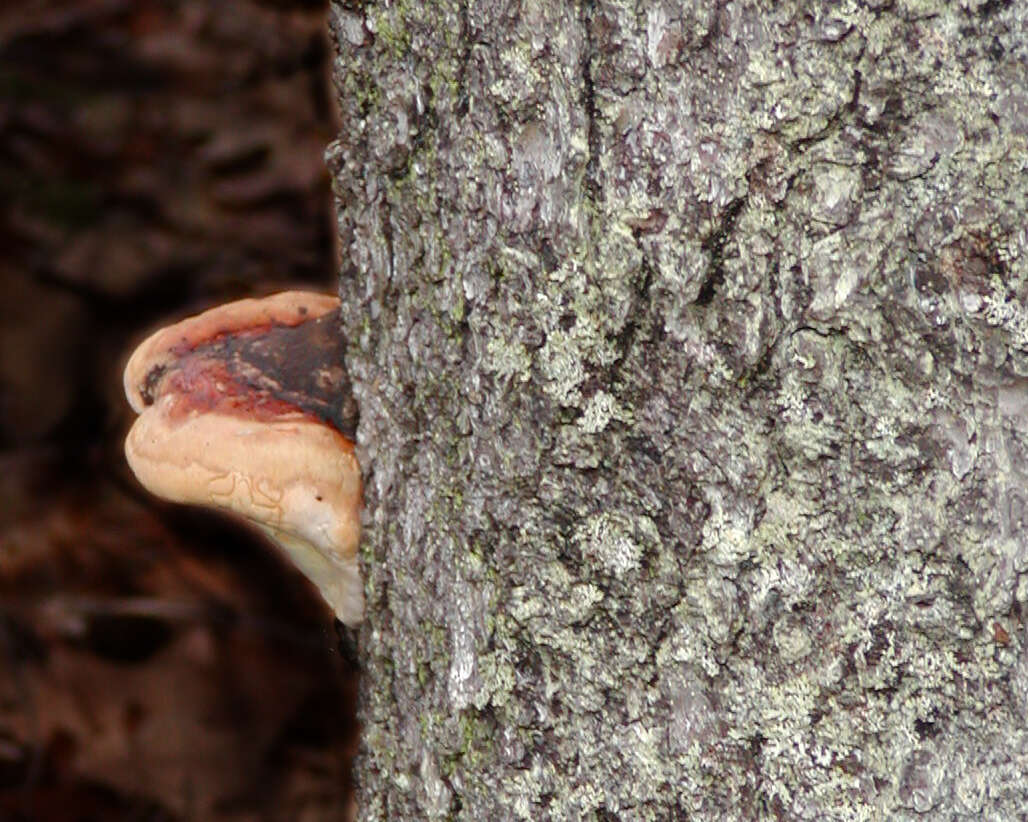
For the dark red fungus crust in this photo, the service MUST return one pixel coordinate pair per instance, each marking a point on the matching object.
(205, 385)
(265, 372)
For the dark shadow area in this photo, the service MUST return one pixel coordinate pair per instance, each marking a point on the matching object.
(156, 662)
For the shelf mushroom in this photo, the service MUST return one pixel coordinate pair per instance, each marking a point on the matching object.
(247, 407)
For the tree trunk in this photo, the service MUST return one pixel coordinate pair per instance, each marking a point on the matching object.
(691, 351)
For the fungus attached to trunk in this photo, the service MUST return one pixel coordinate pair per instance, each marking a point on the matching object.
(248, 407)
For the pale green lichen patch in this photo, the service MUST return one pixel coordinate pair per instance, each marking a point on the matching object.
(614, 541)
(508, 358)
(598, 412)
(563, 367)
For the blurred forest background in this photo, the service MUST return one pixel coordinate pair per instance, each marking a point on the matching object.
(156, 663)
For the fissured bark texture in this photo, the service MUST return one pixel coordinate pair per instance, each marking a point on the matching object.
(691, 349)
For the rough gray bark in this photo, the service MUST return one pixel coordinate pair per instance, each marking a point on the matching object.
(691, 348)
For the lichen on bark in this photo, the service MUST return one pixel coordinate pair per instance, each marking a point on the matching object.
(690, 343)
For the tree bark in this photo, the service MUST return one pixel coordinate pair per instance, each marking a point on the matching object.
(690, 343)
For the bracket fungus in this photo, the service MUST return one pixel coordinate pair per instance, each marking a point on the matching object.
(248, 407)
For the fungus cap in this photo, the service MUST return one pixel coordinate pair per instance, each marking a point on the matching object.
(247, 408)
(161, 349)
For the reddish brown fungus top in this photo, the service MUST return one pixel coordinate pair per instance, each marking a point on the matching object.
(255, 366)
